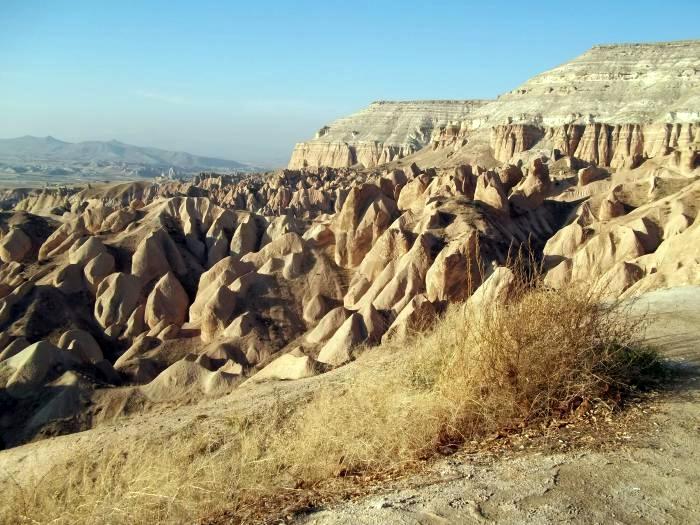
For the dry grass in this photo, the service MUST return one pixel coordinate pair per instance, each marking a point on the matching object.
(504, 367)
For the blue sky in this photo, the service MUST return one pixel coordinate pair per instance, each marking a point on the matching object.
(246, 80)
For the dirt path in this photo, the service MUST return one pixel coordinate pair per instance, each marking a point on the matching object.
(652, 476)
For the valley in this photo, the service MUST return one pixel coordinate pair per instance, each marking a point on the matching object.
(280, 331)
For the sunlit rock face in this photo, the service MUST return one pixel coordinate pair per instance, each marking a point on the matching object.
(615, 106)
(383, 132)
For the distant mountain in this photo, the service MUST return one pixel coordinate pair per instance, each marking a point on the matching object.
(49, 149)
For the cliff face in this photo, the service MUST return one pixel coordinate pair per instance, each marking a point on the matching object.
(609, 145)
(508, 140)
(612, 84)
(383, 132)
(613, 106)
(343, 154)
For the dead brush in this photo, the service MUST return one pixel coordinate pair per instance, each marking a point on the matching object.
(536, 357)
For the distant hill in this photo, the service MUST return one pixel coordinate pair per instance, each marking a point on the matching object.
(49, 149)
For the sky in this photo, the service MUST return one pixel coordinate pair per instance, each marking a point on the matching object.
(247, 80)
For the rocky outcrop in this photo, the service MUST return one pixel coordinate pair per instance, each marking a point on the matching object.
(366, 213)
(117, 297)
(510, 139)
(338, 349)
(155, 256)
(82, 344)
(498, 288)
(383, 132)
(191, 375)
(28, 370)
(530, 193)
(417, 316)
(294, 365)
(97, 269)
(455, 272)
(627, 253)
(14, 246)
(611, 145)
(489, 190)
(613, 106)
(85, 249)
(612, 84)
(167, 302)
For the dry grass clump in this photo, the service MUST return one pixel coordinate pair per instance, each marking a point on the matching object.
(502, 367)
(538, 357)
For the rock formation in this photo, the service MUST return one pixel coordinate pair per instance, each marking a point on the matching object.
(180, 289)
(615, 105)
(383, 132)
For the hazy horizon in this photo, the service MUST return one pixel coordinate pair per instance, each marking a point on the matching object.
(246, 82)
